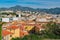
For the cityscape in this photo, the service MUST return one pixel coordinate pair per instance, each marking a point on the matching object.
(29, 23)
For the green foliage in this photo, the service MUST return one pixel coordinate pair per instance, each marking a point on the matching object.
(0, 31)
(28, 37)
(1, 23)
(16, 38)
(52, 29)
(4, 13)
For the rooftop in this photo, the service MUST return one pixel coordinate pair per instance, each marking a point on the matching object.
(5, 33)
(12, 27)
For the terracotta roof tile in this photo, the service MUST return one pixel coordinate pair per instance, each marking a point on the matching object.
(5, 33)
(12, 27)
(23, 33)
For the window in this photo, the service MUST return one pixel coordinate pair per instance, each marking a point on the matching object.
(17, 15)
(3, 38)
(10, 19)
(10, 35)
(26, 28)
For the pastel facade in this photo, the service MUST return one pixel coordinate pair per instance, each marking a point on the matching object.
(6, 35)
(29, 27)
(15, 30)
(5, 19)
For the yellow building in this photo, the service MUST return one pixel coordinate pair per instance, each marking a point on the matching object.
(29, 27)
(15, 30)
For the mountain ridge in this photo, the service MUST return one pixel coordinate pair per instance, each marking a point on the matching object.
(20, 8)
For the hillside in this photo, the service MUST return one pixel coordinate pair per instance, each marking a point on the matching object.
(20, 8)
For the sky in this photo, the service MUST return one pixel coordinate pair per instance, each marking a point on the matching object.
(30, 3)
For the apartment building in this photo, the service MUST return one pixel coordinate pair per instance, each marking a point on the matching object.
(6, 35)
(15, 30)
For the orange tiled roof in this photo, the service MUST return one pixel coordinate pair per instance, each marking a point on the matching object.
(22, 22)
(39, 26)
(23, 33)
(31, 24)
(5, 33)
(12, 27)
(30, 21)
(22, 27)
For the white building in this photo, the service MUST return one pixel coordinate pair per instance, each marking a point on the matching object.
(42, 20)
(15, 18)
(5, 19)
(19, 13)
(10, 19)
(7, 11)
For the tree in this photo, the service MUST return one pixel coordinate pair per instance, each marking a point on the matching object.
(28, 37)
(16, 38)
(1, 23)
(1, 30)
(52, 29)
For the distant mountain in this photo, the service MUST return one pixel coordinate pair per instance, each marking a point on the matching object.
(20, 8)
(3, 9)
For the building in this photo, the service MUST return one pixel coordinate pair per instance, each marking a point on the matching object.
(23, 33)
(5, 19)
(15, 19)
(18, 14)
(7, 11)
(15, 30)
(6, 35)
(41, 20)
